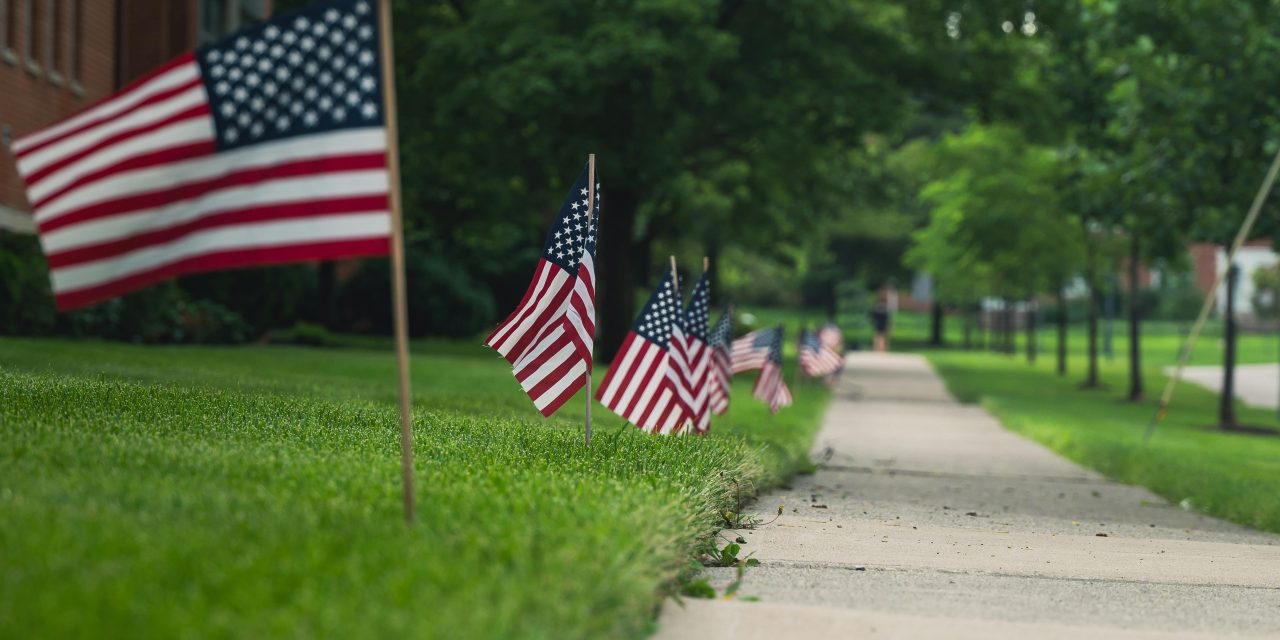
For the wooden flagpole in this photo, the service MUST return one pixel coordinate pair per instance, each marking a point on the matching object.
(1165, 398)
(591, 208)
(399, 295)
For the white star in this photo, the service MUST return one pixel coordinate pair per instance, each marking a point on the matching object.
(560, 254)
(339, 62)
(326, 77)
(366, 58)
(230, 135)
(362, 8)
(324, 52)
(213, 56)
(296, 108)
(252, 80)
(282, 123)
(310, 119)
(307, 43)
(298, 83)
(295, 58)
(332, 15)
(367, 83)
(217, 71)
(311, 68)
(574, 205)
(365, 32)
(271, 32)
(244, 119)
(320, 29)
(256, 130)
(264, 65)
(228, 109)
(337, 37)
(242, 43)
(325, 102)
(240, 94)
(349, 21)
(339, 114)
(352, 74)
(259, 46)
(277, 51)
(301, 23)
(282, 74)
(235, 74)
(230, 58)
(247, 61)
(221, 88)
(353, 98)
(339, 87)
(369, 110)
(269, 89)
(351, 47)
(290, 37)
(271, 113)
(584, 191)
(566, 221)
(256, 104)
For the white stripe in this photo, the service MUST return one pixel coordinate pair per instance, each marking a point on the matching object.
(659, 365)
(539, 345)
(640, 358)
(529, 302)
(175, 77)
(273, 192)
(249, 236)
(174, 135)
(540, 305)
(130, 183)
(574, 376)
(621, 364)
(68, 147)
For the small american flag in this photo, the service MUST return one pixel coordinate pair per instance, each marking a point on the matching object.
(264, 148)
(550, 336)
(831, 337)
(721, 374)
(817, 360)
(752, 350)
(770, 388)
(698, 354)
(638, 387)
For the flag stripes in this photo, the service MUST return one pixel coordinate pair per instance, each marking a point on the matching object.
(236, 155)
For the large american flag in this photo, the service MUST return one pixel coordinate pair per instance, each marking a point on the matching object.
(697, 353)
(816, 359)
(551, 334)
(638, 387)
(752, 350)
(267, 147)
(721, 375)
(770, 388)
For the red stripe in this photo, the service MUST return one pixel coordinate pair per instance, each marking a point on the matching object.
(548, 315)
(555, 376)
(156, 158)
(521, 309)
(572, 388)
(168, 66)
(640, 380)
(258, 256)
(613, 372)
(191, 190)
(260, 213)
(191, 113)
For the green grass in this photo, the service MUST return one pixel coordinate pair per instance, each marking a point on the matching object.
(175, 491)
(1232, 476)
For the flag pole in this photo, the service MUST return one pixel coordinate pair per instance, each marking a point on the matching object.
(399, 295)
(591, 207)
(675, 291)
(1165, 398)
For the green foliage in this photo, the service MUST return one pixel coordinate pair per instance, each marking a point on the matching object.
(26, 302)
(1266, 291)
(254, 491)
(308, 335)
(443, 301)
(266, 298)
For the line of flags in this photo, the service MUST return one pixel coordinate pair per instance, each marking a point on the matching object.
(278, 144)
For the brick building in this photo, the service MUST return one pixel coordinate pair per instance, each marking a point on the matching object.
(60, 56)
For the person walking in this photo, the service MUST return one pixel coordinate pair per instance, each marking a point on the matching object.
(880, 323)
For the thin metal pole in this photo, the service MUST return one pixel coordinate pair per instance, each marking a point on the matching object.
(400, 298)
(591, 207)
(1162, 408)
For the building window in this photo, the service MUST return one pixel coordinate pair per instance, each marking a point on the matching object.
(52, 38)
(8, 22)
(73, 45)
(220, 18)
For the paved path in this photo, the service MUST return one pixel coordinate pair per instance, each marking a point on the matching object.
(1257, 385)
(929, 520)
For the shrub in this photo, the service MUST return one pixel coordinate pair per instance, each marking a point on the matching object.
(443, 299)
(26, 301)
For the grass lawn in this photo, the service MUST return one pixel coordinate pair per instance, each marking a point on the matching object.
(248, 492)
(1231, 476)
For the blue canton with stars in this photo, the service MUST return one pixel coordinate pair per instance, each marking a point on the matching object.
(699, 311)
(663, 309)
(775, 346)
(720, 334)
(310, 71)
(573, 230)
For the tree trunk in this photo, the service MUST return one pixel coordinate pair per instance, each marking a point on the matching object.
(617, 277)
(1031, 332)
(1226, 404)
(1091, 378)
(936, 338)
(1062, 331)
(713, 271)
(1010, 328)
(1135, 321)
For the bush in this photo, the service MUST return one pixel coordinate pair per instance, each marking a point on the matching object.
(151, 315)
(26, 301)
(307, 334)
(264, 298)
(207, 322)
(443, 299)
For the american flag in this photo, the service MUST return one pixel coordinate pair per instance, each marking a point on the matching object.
(831, 337)
(680, 369)
(637, 386)
(697, 352)
(264, 148)
(549, 337)
(721, 375)
(770, 387)
(750, 351)
(817, 359)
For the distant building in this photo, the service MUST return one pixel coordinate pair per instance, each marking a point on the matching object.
(1209, 260)
(60, 56)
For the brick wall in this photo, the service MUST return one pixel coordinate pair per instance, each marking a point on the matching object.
(33, 99)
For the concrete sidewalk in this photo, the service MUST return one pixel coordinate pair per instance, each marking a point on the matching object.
(929, 520)
(1257, 385)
